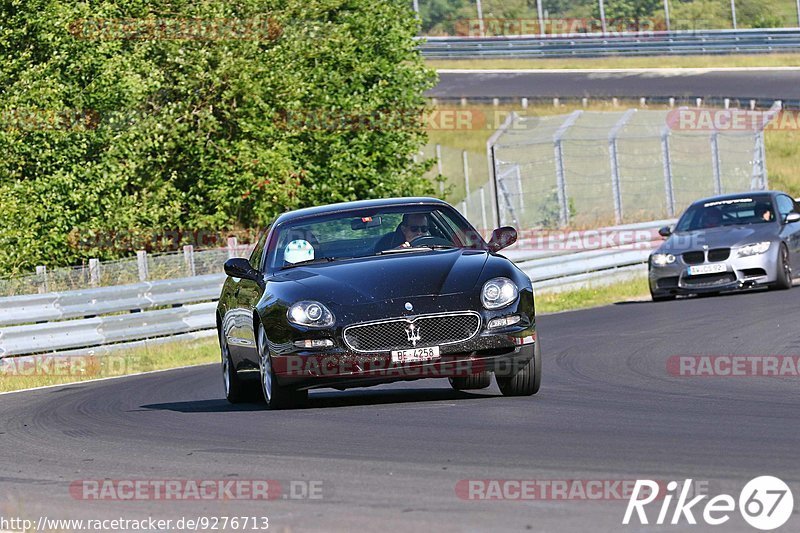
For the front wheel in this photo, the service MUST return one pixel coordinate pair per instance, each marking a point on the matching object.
(236, 389)
(276, 396)
(480, 380)
(527, 380)
(783, 270)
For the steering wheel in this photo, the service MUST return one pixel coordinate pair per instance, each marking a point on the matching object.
(429, 240)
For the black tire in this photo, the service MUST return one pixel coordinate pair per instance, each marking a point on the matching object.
(662, 297)
(527, 380)
(236, 389)
(783, 271)
(480, 380)
(276, 396)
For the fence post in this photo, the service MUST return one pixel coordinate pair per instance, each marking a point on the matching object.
(490, 156)
(715, 162)
(439, 167)
(141, 260)
(666, 160)
(233, 243)
(465, 165)
(561, 182)
(616, 188)
(758, 178)
(41, 274)
(483, 209)
(94, 272)
(188, 259)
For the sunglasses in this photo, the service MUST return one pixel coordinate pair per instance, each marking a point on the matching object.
(418, 229)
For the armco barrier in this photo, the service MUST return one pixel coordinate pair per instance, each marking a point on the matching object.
(81, 322)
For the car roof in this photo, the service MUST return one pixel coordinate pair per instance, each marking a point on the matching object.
(359, 204)
(746, 194)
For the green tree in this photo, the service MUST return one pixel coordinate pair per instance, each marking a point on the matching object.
(102, 134)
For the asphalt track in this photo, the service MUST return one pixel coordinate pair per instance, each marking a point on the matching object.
(389, 458)
(742, 84)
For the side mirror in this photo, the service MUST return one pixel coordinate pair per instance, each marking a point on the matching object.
(792, 217)
(502, 238)
(239, 267)
(665, 231)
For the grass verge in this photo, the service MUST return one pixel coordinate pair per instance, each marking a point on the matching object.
(555, 302)
(722, 61)
(41, 371)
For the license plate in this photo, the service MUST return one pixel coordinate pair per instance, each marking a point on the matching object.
(713, 268)
(414, 355)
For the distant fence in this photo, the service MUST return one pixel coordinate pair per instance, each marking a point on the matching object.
(589, 169)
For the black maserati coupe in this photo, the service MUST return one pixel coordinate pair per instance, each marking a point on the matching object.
(369, 292)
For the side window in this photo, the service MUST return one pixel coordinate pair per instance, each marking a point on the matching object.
(785, 206)
(255, 257)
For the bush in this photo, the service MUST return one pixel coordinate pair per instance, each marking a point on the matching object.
(110, 127)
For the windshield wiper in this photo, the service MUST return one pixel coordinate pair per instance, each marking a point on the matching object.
(313, 261)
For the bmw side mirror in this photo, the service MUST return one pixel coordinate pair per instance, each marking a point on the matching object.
(502, 238)
(665, 231)
(239, 267)
(792, 217)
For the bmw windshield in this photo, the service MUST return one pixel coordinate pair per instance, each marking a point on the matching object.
(730, 212)
(362, 233)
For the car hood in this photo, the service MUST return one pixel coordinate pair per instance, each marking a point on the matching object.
(722, 237)
(370, 279)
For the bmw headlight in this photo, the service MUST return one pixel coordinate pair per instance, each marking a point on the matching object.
(754, 249)
(662, 259)
(498, 293)
(310, 314)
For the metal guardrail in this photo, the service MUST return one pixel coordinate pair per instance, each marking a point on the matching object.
(628, 44)
(67, 323)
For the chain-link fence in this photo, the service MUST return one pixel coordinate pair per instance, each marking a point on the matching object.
(590, 169)
(143, 267)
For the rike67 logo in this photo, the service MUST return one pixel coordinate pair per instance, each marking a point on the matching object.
(765, 502)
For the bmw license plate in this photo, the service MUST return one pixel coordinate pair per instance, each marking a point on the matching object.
(414, 355)
(713, 268)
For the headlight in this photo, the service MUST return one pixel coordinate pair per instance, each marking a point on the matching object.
(498, 292)
(310, 314)
(662, 259)
(754, 249)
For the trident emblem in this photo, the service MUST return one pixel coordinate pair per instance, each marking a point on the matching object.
(412, 334)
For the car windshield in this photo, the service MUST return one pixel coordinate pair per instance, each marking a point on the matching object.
(730, 212)
(368, 232)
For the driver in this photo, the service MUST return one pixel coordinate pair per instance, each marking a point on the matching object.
(712, 218)
(764, 212)
(413, 225)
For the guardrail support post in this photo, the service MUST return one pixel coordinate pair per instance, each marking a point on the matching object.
(666, 160)
(94, 272)
(616, 188)
(41, 274)
(715, 162)
(141, 261)
(561, 182)
(188, 259)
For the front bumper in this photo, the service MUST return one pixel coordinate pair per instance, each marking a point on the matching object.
(503, 353)
(740, 273)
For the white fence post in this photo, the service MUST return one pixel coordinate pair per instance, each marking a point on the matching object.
(94, 272)
(715, 162)
(233, 244)
(465, 165)
(492, 167)
(483, 209)
(41, 274)
(439, 167)
(141, 261)
(666, 161)
(612, 153)
(188, 259)
(561, 182)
